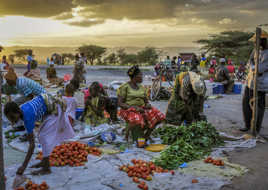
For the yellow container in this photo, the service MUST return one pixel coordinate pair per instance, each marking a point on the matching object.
(155, 147)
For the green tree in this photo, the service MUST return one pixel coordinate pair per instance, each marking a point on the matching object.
(130, 59)
(125, 58)
(231, 44)
(67, 56)
(121, 53)
(149, 55)
(111, 59)
(92, 52)
(22, 53)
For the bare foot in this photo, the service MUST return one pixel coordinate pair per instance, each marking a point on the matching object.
(41, 172)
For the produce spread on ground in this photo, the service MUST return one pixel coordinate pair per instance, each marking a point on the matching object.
(118, 165)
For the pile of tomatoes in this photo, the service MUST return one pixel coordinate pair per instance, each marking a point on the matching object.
(142, 170)
(72, 154)
(32, 186)
(218, 162)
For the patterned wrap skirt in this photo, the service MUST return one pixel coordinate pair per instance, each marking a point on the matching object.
(152, 117)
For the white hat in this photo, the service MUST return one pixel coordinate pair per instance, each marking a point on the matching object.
(222, 60)
(197, 84)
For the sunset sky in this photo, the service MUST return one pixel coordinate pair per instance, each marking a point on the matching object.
(124, 22)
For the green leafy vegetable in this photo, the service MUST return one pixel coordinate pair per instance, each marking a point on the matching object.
(187, 143)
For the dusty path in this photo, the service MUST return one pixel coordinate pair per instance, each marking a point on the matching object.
(256, 160)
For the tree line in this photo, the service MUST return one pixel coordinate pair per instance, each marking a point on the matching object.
(230, 44)
(98, 55)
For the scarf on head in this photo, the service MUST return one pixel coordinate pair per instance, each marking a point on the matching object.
(11, 75)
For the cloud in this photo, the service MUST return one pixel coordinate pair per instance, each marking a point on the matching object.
(64, 16)
(227, 21)
(85, 23)
(35, 8)
(238, 14)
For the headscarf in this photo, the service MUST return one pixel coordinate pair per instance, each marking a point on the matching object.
(11, 75)
(222, 60)
(133, 71)
(95, 86)
(197, 84)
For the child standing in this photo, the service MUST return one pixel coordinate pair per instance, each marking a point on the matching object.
(70, 103)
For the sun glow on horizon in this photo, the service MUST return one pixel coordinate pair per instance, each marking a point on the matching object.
(20, 30)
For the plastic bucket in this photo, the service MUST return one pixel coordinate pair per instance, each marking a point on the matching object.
(215, 89)
(220, 88)
(78, 112)
(237, 88)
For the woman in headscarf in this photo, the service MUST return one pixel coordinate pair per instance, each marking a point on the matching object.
(186, 103)
(52, 75)
(136, 110)
(55, 127)
(34, 72)
(24, 86)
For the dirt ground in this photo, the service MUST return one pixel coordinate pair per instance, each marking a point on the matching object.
(224, 113)
(256, 160)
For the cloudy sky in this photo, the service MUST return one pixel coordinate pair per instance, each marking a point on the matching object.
(124, 22)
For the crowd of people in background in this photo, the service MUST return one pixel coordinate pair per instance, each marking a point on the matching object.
(204, 66)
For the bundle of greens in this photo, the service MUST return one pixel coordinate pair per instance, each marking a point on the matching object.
(187, 143)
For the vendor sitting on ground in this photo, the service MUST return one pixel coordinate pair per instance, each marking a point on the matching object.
(223, 76)
(54, 129)
(110, 102)
(136, 110)
(94, 107)
(26, 87)
(52, 75)
(186, 103)
(34, 72)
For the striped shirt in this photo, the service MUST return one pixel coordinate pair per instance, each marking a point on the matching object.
(27, 86)
(33, 111)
